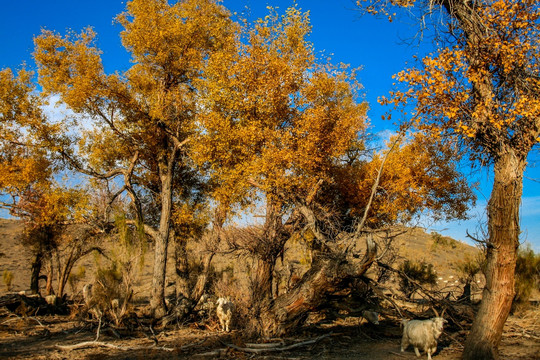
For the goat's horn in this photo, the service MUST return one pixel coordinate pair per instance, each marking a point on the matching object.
(443, 312)
(435, 311)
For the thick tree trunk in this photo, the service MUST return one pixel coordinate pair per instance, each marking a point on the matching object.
(262, 285)
(202, 280)
(267, 251)
(36, 269)
(181, 268)
(503, 227)
(327, 275)
(157, 297)
(50, 273)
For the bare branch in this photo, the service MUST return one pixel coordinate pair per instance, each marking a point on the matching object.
(149, 230)
(111, 346)
(259, 350)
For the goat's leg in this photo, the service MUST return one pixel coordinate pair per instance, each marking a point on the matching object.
(222, 323)
(431, 350)
(404, 343)
(416, 351)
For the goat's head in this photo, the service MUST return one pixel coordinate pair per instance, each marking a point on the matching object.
(221, 301)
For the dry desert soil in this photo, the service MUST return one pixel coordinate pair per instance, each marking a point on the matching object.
(56, 336)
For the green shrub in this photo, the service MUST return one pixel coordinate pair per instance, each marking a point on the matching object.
(112, 292)
(469, 267)
(8, 279)
(420, 272)
(527, 275)
(443, 241)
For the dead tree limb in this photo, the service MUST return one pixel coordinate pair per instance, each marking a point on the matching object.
(369, 282)
(362, 222)
(111, 346)
(259, 350)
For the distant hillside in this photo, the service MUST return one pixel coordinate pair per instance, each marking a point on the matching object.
(13, 256)
(443, 252)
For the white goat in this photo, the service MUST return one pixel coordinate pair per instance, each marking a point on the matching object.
(371, 316)
(422, 334)
(224, 312)
(51, 299)
(87, 293)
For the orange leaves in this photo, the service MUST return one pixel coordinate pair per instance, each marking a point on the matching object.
(175, 38)
(271, 115)
(419, 177)
(71, 66)
(27, 168)
(484, 88)
(51, 206)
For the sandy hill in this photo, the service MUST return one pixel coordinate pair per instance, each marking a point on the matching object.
(443, 252)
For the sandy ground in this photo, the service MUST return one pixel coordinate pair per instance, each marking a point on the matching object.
(38, 337)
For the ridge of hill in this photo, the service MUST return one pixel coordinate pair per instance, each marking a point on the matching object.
(444, 253)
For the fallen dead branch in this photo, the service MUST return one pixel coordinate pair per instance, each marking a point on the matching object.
(259, 350)
(184, 347)
(520, 334)
(455, 340)
(213, 353)
(17, 317)
(265, 345)
(379, 293)
(111, 346)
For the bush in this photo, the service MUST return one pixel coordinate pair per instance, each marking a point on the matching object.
(439, 240)
(112, 292)
(8, 279)
(75, 277)
(421, 272)
(527, 275)
(470, 267)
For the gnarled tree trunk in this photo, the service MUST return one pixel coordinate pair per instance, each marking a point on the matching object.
(503, 227)
(50, 273)
(181, 268)
(157, 298)
(262, 284)
(202, 280)
(328, 274)
(36, 269)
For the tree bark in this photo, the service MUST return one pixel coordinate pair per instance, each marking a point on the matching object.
(181, 268)
(262, 285)
(50, 273)
(267, 251)
(36, 269)
(157, 297)
(328, 274)
(202, 280)
(503, 227)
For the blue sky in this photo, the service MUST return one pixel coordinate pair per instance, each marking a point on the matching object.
(376, 45)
